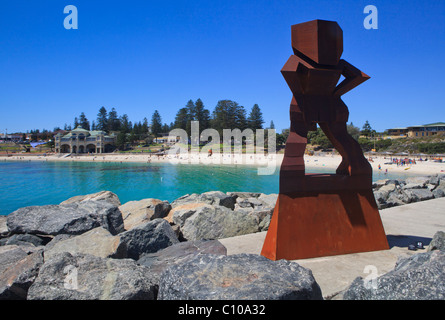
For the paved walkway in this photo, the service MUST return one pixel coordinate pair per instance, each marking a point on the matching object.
(403, 225)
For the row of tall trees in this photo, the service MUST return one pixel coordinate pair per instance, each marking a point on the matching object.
(227, 114)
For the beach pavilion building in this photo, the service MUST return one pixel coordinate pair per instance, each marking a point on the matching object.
(83, 141)
(425, 130)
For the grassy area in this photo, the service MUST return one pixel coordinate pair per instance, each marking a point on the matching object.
(21, 148)
(428, 145)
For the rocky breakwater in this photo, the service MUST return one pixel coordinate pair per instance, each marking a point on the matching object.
(419, 277)
(94, 248)
(390, 193)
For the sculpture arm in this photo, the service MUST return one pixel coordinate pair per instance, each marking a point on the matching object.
(292, 74)
(353, 78)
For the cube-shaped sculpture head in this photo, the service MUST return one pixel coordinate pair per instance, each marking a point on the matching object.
(319, 40)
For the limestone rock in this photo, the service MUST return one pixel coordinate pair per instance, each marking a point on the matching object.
(98, 242)
(211, 198)
(135, 213)
(419, 277)
(87, 277)
(106, 196)
(180, 253)
(417, 195)
(438, 242)
(217, 222)
(441, 186)
(179, 214)
(24, 239)
(269, 200)
(75, 218)
(3, 226)
(10, 255)
(237, 277)
(438, 193)
(16, 280)
(237, 195)
(148, 238)
(422, 181)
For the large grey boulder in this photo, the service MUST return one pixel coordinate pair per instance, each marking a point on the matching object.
(148, 238)
(98, 242)
(237, 277)
(440, 189)
(106, 196)
(136, 213)
(438, 242)
(419, 277)
(10, 255)
(417, 195)
(180, 213)
(215, 215)
(87, 277)
(215, 222)
(419, 181)
(269, 200)
(438, 193)
(16, 280)
(75, 218)
(212, 198)
(3, 226)
(24, 239)
(179, 253)
(387, 189)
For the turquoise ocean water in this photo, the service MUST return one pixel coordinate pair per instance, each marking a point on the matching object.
(40, 183)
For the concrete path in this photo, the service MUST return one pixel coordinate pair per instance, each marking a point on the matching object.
(403, 225)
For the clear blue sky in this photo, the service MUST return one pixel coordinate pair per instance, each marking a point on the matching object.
(138, 56)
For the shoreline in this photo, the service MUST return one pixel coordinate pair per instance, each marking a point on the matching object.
(328, 161)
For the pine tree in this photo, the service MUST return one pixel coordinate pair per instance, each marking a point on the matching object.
(83, 122)
(240, 118)
(113, 121)
(165, 128)
(102, 120)
(191, 116)
(121, 140)
(125, 124)
(181, 119)
(156, 123)
(255, 120)
(366, 130)
(144, 126)
(76, 122)
(202, 115)
(228, 115)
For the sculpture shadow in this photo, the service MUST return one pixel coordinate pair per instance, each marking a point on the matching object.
(403, 241)
(353, 207)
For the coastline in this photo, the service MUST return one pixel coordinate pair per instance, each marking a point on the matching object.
(329, 161)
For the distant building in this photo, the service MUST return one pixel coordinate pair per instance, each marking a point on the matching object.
(402, 132)
(425, 130)
(10, 137)
(83, 141)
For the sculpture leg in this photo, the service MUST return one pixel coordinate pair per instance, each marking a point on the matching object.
(296, 142)
(353, 152)
(343, 168)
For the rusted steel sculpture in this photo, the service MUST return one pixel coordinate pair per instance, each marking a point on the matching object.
(321, 214)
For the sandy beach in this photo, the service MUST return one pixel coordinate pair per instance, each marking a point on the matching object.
(267, 162)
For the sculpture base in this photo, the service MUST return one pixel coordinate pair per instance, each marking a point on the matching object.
(336, 220)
